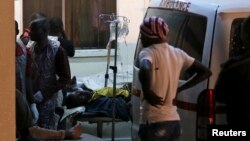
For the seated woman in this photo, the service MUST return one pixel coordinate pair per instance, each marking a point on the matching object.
(27, 131)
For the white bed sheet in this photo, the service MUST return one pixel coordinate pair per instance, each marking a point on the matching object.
(97, 81)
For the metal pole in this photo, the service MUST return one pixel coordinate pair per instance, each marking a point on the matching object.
(114, 19)
(114, 82)
(108, 62)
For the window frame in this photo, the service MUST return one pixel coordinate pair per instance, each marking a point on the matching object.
(180, 37)
(63, 13)
(235, 42)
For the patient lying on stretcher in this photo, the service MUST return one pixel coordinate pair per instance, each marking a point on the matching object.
(99, 102)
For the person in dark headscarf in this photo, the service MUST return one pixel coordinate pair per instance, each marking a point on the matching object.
(50, 72)
(232, 86)
(25, 37)
(26, 109)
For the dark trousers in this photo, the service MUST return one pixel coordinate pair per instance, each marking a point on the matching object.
(160, 131)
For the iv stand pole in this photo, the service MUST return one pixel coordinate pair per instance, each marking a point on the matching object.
(114, 68)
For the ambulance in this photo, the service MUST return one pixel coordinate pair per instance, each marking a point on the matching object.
(207, 30)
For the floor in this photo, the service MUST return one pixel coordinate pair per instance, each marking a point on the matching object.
(122, 130)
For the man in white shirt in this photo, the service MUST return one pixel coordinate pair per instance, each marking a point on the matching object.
(160, 68)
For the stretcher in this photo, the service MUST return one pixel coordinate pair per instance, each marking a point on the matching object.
(93, 118)
(96, 82)
(79, 114)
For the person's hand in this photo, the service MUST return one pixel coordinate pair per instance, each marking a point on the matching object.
(152, 98)
(34, 112)
(74, 132)
(38, 96)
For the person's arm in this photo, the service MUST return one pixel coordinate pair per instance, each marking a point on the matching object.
(219, 89)
(68, 46)
(29, 89)
(49, 134)
(23, 116)
(201, 73)
(222, 87)
(145, 80)
(62, 71)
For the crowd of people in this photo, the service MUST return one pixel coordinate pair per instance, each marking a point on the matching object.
(42, 72)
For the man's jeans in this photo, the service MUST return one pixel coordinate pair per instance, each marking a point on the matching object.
(160, 131)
